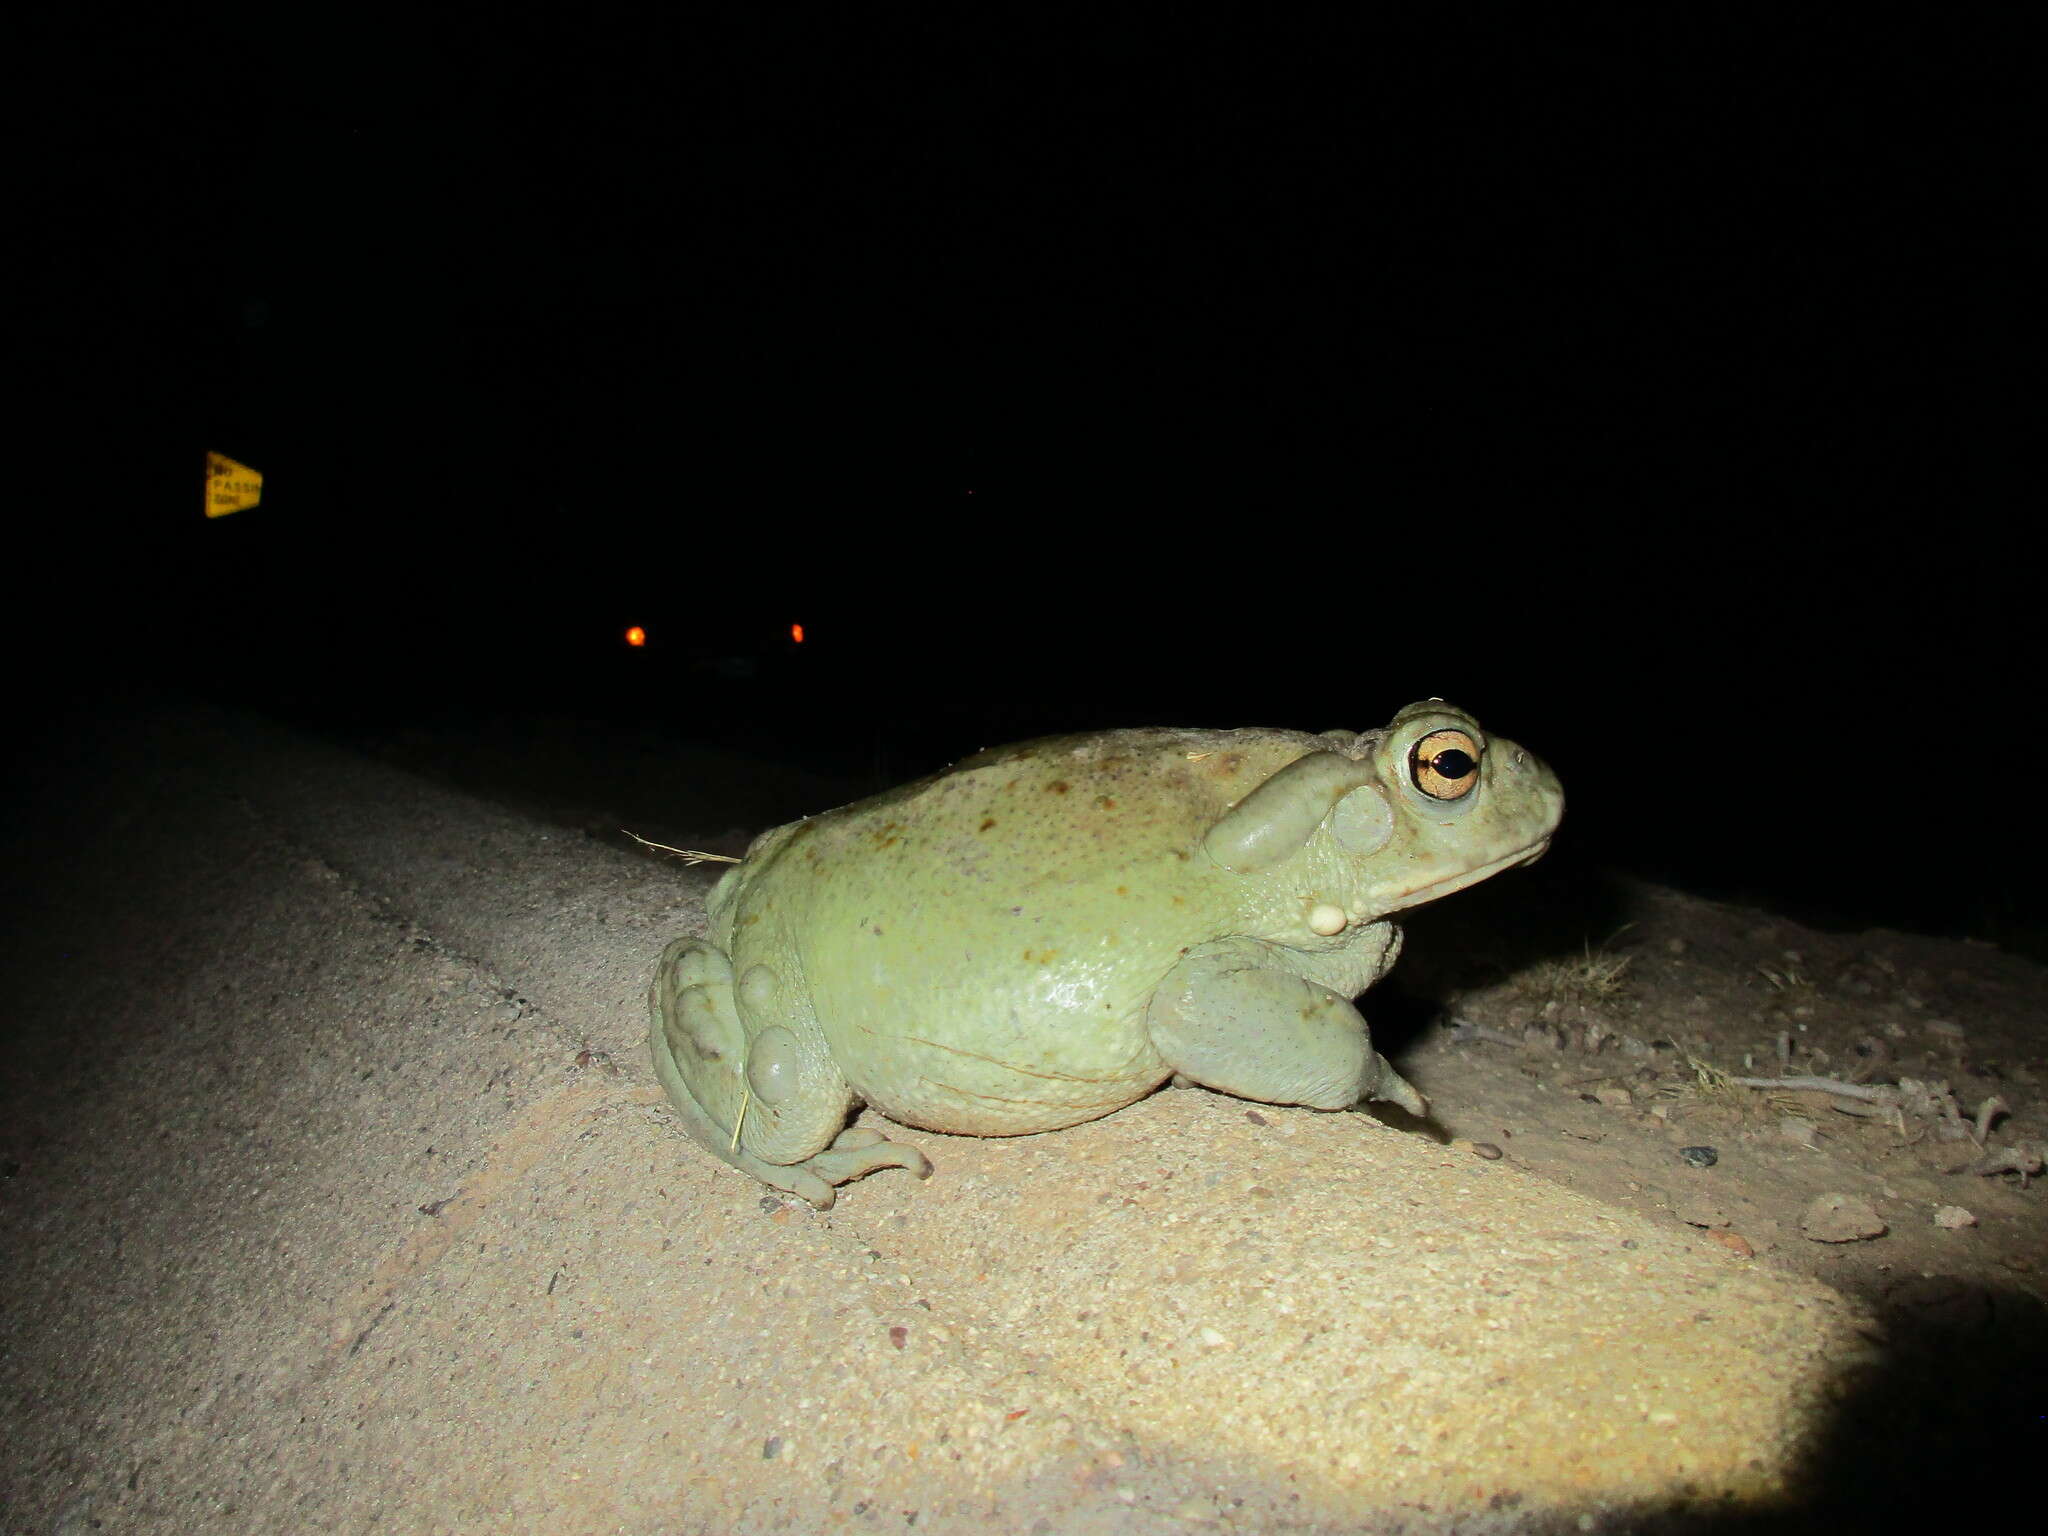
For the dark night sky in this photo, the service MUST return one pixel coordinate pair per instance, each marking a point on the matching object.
(1650, 386)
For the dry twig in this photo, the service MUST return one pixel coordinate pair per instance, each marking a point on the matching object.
(687, 855)
(1871, 1093)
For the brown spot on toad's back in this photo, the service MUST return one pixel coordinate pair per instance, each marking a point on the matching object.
(1057, 787)
(986, 823)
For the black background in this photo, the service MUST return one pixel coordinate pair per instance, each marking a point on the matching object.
(1649, 385)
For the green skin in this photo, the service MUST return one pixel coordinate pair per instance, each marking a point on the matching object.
(1045, 933)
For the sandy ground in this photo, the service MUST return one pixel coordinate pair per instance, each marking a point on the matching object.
(337, 1196)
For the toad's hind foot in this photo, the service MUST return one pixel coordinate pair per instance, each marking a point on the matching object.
(854, 1153)
(858, 1151)
(700, 1047)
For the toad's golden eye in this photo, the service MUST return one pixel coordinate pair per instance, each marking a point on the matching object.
(1445, 765)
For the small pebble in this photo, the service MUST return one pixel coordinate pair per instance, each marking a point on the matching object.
(1953, 1216)
(1836, 1218)
(1700, 1157)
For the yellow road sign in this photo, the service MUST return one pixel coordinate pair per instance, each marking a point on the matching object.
(230, 487)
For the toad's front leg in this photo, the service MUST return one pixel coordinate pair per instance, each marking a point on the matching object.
(1232, 1016)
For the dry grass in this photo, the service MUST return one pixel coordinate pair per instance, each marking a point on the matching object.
(1597, 976)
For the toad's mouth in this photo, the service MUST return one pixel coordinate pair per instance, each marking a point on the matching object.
(1414, 896)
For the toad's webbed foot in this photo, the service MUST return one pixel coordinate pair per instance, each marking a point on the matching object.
(856, 1152)
(699, 1045)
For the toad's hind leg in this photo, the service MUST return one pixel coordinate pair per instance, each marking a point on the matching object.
(702, 1054)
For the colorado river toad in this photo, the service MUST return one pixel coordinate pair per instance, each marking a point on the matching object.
(1043, 933)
